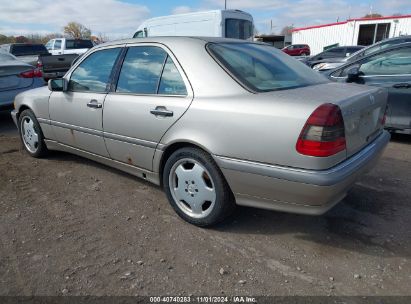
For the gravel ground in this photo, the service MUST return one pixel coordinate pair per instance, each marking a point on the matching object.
(71, 226)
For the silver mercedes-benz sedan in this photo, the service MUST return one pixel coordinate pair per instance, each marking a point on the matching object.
(216, 122)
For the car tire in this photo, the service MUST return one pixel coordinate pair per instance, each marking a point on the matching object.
(304, 54)
(196, 187)
(31, 134)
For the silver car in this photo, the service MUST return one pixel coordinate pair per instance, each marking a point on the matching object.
(16, 76)
(216, 122)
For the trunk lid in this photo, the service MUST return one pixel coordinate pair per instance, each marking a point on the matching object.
(9, 79)
(362, 108)
(363, 114)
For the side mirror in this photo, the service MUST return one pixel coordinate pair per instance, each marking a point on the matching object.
(57, 85)
(353, 74)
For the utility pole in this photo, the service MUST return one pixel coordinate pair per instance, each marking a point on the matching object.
(225, 4)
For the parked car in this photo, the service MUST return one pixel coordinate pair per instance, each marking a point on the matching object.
(258, 129)
(62, 46)
(16, 76)
(55, 66)
(330, 64)
(336, 53)
(389, 68)
(26, 52)
(297, 50)
(217, 23)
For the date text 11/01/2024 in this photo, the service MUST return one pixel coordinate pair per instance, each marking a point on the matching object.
(203, 299)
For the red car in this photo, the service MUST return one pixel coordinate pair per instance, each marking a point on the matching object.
(297, 50)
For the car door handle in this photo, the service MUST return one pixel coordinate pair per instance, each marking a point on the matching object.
(161, 111)
(94, 104)
(402, 86)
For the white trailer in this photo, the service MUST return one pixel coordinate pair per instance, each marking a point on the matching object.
(217, 23)
(360, 31)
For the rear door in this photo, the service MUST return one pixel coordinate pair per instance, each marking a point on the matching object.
(77, 114)
(151, 94)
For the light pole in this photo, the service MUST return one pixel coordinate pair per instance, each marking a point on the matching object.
(225, 4)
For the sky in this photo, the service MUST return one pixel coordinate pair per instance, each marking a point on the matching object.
(120, 18)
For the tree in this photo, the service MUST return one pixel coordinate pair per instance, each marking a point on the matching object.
(77, 31)
(6, 39)
(373, 15)
(22, 39)
(287, 30)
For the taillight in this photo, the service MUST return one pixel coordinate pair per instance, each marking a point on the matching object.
(324, 133)
(31, 74)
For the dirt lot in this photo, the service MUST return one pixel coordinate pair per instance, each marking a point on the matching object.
(72, 226)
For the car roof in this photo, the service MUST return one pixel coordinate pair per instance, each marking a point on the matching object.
(174, 39)
(17, 43)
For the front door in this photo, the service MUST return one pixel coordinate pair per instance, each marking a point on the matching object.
(151, 94)
(77, 114)
(392, 70)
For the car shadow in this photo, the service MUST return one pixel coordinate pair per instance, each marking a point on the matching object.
(365, 221)
(369, 220)
(7, 126)
(401, 138)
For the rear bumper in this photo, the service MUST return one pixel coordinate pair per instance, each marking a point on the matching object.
(53, 75)
(298, 190)
(14, 116)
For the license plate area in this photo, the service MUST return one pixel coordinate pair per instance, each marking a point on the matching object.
(369, 122)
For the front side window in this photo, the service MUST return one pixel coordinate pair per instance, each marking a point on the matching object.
(57, 45)
(139, 34)
(93, 74)
(238, 28)
(262, 68)
(49, 45)
(395, 62)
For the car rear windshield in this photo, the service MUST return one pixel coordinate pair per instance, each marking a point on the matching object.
(28, 49)
(262, 68)
(72, 44)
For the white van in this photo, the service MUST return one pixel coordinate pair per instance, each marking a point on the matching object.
(218, 23)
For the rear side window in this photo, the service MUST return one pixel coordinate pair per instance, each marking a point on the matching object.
(28, 49)
(149, 70)
(171, 82)
(72, 44)
(263, 68)
(141, 70)
(93, 74)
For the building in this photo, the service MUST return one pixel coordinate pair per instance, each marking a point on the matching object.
(278, 41)
(361, 31)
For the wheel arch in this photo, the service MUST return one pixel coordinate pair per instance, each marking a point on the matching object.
(171, 148)
(23, 108)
